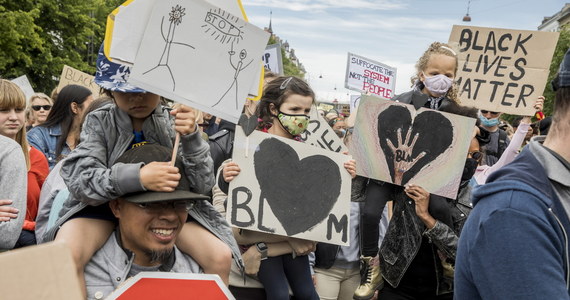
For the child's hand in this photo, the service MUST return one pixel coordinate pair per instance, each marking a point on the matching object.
(7, 212)
(302, 247)
(350, 166)
(159, 177)
(231, 170)
(185, 122)
(539, 103)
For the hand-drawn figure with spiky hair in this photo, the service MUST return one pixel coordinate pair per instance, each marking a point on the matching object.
(238, 67)
(175, 18)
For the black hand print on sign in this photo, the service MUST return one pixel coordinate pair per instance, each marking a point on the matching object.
(410, 145)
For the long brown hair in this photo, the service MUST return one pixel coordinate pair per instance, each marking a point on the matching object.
(12, 97)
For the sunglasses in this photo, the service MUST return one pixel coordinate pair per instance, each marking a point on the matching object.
(38, 107)
(484, 112)
(157, 207)
(477, 155)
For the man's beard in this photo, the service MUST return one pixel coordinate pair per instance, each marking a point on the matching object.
(158, 256)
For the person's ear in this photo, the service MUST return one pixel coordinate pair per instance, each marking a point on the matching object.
(421, 76)
(74, 107)
(273, 109)
(116, 206)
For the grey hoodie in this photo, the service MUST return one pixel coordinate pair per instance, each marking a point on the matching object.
(13, 186)
(93, 178)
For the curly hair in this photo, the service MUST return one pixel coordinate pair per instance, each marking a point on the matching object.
(421, 65)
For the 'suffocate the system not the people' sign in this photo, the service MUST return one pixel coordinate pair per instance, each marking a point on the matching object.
(370, 77)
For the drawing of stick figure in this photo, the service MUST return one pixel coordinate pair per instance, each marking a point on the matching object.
(238, 68)
(175, 19)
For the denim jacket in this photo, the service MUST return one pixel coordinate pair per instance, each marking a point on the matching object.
(404, 237)
(45, 139)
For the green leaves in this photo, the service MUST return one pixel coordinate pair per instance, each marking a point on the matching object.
(39, 37)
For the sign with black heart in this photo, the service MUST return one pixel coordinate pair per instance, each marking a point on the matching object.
(289, 188)
(396, 143)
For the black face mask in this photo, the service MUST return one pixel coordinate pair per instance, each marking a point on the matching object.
(469, 169)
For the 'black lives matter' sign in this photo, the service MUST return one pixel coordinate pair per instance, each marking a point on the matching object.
(502, 69)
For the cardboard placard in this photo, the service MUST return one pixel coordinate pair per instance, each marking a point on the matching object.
(502, 70)
(199, 55)
(71, 75)
(127, 23)
(320, 134)
(354, 101)
(272, 59)
(25, 85)
(46, 272)
(167, 286)
(289, 188)
(395, 143)
(368, 76)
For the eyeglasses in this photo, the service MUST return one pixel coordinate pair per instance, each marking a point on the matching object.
(178, 206)
(477, 155)
(484, 112)
(38, 107)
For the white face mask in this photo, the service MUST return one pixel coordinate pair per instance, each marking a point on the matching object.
(438, 84)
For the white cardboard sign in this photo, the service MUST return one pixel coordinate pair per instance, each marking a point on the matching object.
(199, 55)
(289, 188)
(320, 134)
(272, 59)
(370, 77)
(25, 85)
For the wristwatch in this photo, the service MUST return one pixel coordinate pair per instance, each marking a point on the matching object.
(262, 248)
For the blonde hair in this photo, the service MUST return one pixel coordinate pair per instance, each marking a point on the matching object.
(421, 65)
(11, 96)
(41, 96)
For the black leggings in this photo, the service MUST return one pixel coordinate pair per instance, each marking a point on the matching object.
(377, 194)
(275, 272)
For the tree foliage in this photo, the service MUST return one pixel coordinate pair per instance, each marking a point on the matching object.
(39, 37)
(289, 68)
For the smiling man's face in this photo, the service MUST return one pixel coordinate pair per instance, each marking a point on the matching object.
(148, 233)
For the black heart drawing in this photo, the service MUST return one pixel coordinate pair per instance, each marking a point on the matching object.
(301, 193)
(248, 124)
(434, 130)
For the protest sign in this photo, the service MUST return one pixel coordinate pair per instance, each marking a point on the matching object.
(272, 59)
(320, 134)
(502, 70)
(354, 101)
(25, 85)
(298, 190)
(396, 143)
(167, 286)
(45, 272)
(70, 75)
(199, 55)
(367, 76)
(126, 25)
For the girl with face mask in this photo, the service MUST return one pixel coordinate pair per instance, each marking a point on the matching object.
(284, 111)
(432, 87)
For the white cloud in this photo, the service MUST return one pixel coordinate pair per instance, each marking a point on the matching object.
(319, 5)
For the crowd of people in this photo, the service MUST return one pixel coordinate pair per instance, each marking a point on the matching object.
(131, 183)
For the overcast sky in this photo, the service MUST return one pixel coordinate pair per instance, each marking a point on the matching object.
(393, 32)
